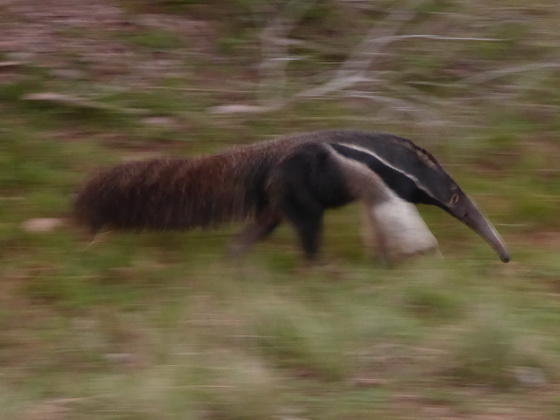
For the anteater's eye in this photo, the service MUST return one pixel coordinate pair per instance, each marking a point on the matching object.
(453, 200)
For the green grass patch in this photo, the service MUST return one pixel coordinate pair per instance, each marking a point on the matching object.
(154, 40)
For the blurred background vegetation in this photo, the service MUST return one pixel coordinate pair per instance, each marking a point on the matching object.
(161, 326)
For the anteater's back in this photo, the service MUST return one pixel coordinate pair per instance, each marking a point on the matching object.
(168, 194)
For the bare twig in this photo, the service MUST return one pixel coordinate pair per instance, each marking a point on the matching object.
(496, 74)
(274, 50)
(356, 70)
(353, 69)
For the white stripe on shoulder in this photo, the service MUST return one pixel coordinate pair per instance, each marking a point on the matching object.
(376, 156)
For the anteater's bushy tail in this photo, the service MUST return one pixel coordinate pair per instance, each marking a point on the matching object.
(166, 194)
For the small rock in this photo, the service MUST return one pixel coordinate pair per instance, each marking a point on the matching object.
(160, 121)
(240, 109)
(20, 56)
(8, 65)
(530, 376)
(44, 224)
(369, 382)
(68, 74)
(128, 360)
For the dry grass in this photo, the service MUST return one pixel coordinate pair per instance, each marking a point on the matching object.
(162, 326)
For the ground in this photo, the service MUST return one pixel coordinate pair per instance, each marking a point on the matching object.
(161, 325)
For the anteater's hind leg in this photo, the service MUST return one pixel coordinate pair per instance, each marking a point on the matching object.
(264, 224)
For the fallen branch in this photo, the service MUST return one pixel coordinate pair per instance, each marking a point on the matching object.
(496, 74)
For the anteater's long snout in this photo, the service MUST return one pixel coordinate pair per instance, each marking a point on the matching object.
(466, 211)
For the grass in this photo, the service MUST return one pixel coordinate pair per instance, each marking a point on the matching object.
(114, 331)
(134, 326)
(155, 40)
(164, 326)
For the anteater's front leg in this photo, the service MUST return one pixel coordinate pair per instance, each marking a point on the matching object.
(399, 229)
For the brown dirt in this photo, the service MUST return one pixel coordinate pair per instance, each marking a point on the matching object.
(76, 38)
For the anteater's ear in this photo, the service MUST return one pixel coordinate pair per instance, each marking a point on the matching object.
(398, 229)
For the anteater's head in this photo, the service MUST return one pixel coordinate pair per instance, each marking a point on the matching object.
(415, 175)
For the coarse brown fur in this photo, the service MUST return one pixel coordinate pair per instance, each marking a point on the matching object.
(179, 194)
(165, 194)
